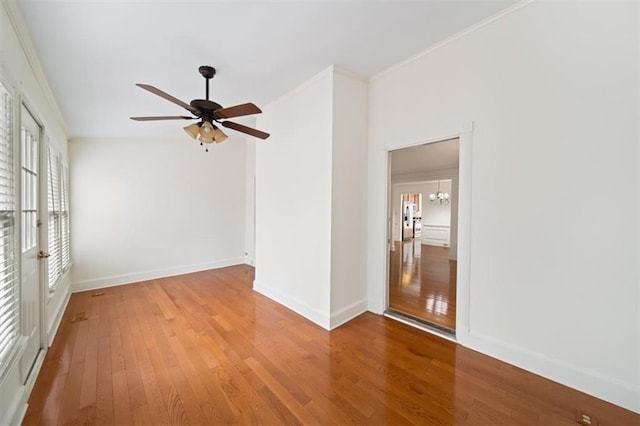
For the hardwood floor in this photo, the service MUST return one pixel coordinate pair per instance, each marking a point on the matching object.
(422, 283)
(204, 348)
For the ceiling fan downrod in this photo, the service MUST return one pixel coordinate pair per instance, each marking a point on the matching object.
(208, 73)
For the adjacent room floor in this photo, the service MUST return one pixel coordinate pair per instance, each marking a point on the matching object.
(204, 348)
(422, 283)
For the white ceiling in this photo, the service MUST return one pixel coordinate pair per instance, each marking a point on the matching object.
(93, 52)
(425, 158)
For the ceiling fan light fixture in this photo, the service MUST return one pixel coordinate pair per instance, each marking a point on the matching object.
(206, 130)
(219, 135)
(206, 139)
(192, 130)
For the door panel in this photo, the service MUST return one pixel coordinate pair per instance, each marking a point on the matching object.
(31, 286)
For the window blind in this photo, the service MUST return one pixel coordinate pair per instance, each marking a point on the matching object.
(58, 222)
(9, 292)
(29, 173)
(64, 218)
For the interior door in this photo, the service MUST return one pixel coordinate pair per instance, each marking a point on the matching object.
(31, 287)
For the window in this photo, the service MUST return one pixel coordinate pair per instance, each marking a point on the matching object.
(29, 169)
(9, 291)
(58, 223)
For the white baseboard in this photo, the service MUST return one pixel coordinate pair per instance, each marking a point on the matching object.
(111, 281)
(295, 305)
(15, 394)
(28, 386)
(18, 417)
(623, 394)
(347, 313)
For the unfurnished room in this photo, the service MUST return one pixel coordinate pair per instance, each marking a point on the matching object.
(320, 212)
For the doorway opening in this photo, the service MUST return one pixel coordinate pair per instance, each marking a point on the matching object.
(423, 210)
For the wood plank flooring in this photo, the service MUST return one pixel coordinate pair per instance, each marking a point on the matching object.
(204, 348)
(422, 283)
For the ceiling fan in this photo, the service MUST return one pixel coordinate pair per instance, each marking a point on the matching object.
(208, 113)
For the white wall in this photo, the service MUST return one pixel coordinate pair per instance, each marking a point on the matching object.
(349, 197)
(144, 209)
(438, 215)
(293, 200)
(250, 193)
(552, 90)
(20, 69)
(311, 199)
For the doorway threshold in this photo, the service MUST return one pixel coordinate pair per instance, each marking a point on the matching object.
(421, 325)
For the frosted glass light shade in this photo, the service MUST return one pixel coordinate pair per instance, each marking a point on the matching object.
(206, 139)
(192, 130)
(219, 136)
(206, 130)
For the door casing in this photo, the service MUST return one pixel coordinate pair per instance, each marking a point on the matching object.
(465, 136)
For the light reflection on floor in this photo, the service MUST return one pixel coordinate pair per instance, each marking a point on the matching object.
(422, 283)
(437, 305)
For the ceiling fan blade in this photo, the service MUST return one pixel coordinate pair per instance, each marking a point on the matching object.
(168, 97)
(244, 129)
(164, 117)
(237, 111)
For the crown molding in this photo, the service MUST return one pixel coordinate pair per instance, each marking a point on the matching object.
(20, 28)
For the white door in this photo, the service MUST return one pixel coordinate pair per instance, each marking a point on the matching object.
(31, 287)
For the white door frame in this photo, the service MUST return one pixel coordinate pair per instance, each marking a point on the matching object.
(463, 292)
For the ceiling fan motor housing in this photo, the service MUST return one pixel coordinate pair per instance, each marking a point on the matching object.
(206, 107)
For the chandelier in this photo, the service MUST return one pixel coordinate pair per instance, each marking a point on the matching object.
(439, 198)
